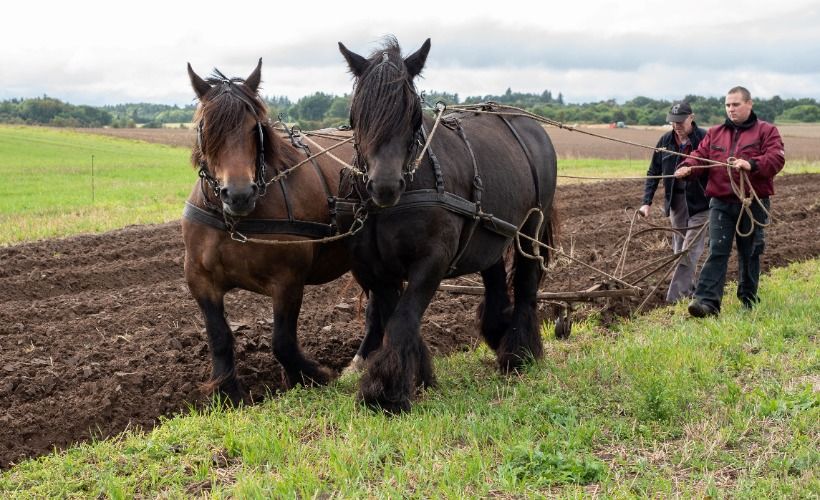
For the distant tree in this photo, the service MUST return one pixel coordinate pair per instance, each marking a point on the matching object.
(803, 113)
(312, 107)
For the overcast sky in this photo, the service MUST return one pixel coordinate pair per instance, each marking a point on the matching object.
(109, 52)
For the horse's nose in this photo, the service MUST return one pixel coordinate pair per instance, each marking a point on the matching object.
(239, 199)
(385, 194)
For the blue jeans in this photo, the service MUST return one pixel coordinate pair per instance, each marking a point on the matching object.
(722, 220)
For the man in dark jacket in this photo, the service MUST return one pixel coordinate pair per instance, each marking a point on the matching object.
(685, 202)
(755, 148)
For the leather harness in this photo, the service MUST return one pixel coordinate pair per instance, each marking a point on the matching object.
(472, 208)
(211, 216)
(437, 197)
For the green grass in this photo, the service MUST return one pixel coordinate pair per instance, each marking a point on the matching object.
(48, 183)
(48, 188)
(608, 169)
(660, 406)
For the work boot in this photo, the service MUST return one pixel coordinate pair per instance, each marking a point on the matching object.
(700, 310)
(748, 303)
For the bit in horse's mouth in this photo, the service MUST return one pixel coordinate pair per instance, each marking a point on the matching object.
(235, 213)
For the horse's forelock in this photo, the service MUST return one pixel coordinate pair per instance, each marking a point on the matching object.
(385, 102)
(222, 111)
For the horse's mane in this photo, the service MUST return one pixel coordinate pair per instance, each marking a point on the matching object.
(222, 112)
(385, 101)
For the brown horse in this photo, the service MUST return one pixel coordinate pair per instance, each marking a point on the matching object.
(238, 152)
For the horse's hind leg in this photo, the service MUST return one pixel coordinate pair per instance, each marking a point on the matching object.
(494, 312)
(220, 341)
(522, 341)
(298, 368)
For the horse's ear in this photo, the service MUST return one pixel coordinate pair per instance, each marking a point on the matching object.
(415, 61)
(355, 62)
(201, 87)
(255, 78)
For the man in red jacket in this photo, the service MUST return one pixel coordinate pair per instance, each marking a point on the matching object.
(755, 148)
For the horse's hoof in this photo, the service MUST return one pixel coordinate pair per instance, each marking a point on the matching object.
(387, 406)
(233, 395)
(355, 366)
(509, 363)
(316, 376)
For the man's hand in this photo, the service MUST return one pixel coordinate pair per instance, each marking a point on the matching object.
(644, 210)
(683, 172)
(742, 164)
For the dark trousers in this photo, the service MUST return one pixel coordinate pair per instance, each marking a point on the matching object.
(722, 221)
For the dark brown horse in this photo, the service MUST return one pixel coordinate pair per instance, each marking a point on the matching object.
(455, 214)
(238, 153)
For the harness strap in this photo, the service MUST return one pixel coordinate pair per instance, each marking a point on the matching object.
(529, 159)
(258, 226)
(296, 141)
(451, 202)
(478, 188)
(434, 160)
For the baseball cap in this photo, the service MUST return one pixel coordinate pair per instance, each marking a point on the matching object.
(679, 111)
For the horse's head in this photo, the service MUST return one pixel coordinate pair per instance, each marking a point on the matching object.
(385, 114)
(232, 137)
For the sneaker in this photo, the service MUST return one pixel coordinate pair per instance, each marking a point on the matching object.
(700, 310)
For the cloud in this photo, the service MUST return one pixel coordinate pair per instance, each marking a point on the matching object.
(588, 50)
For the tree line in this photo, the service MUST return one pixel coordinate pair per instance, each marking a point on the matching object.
(321, 110)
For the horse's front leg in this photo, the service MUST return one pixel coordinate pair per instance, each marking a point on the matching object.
(380, 307)
(287, 302)
(403, 362)
(220, 341)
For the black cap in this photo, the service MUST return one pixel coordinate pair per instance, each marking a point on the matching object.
(679, 112)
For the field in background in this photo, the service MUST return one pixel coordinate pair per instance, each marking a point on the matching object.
(49, 189)
(143, 176)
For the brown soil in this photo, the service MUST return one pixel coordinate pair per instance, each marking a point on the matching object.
(98, 332)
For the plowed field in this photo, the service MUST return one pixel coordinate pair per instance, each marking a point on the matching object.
(98, 332)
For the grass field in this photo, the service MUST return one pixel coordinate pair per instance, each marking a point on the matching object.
(662, 406)
(48, 188)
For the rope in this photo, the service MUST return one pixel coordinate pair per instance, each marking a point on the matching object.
(440, 107)
(358, 224)
(334, 157)
(540, 259)
(746, 204)
(738, 190)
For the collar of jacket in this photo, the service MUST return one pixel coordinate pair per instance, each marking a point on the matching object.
(695, 136)
(749, 123)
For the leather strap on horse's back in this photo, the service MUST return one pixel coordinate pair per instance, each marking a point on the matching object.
(296, 140)
(526, 150)
(478, 189)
